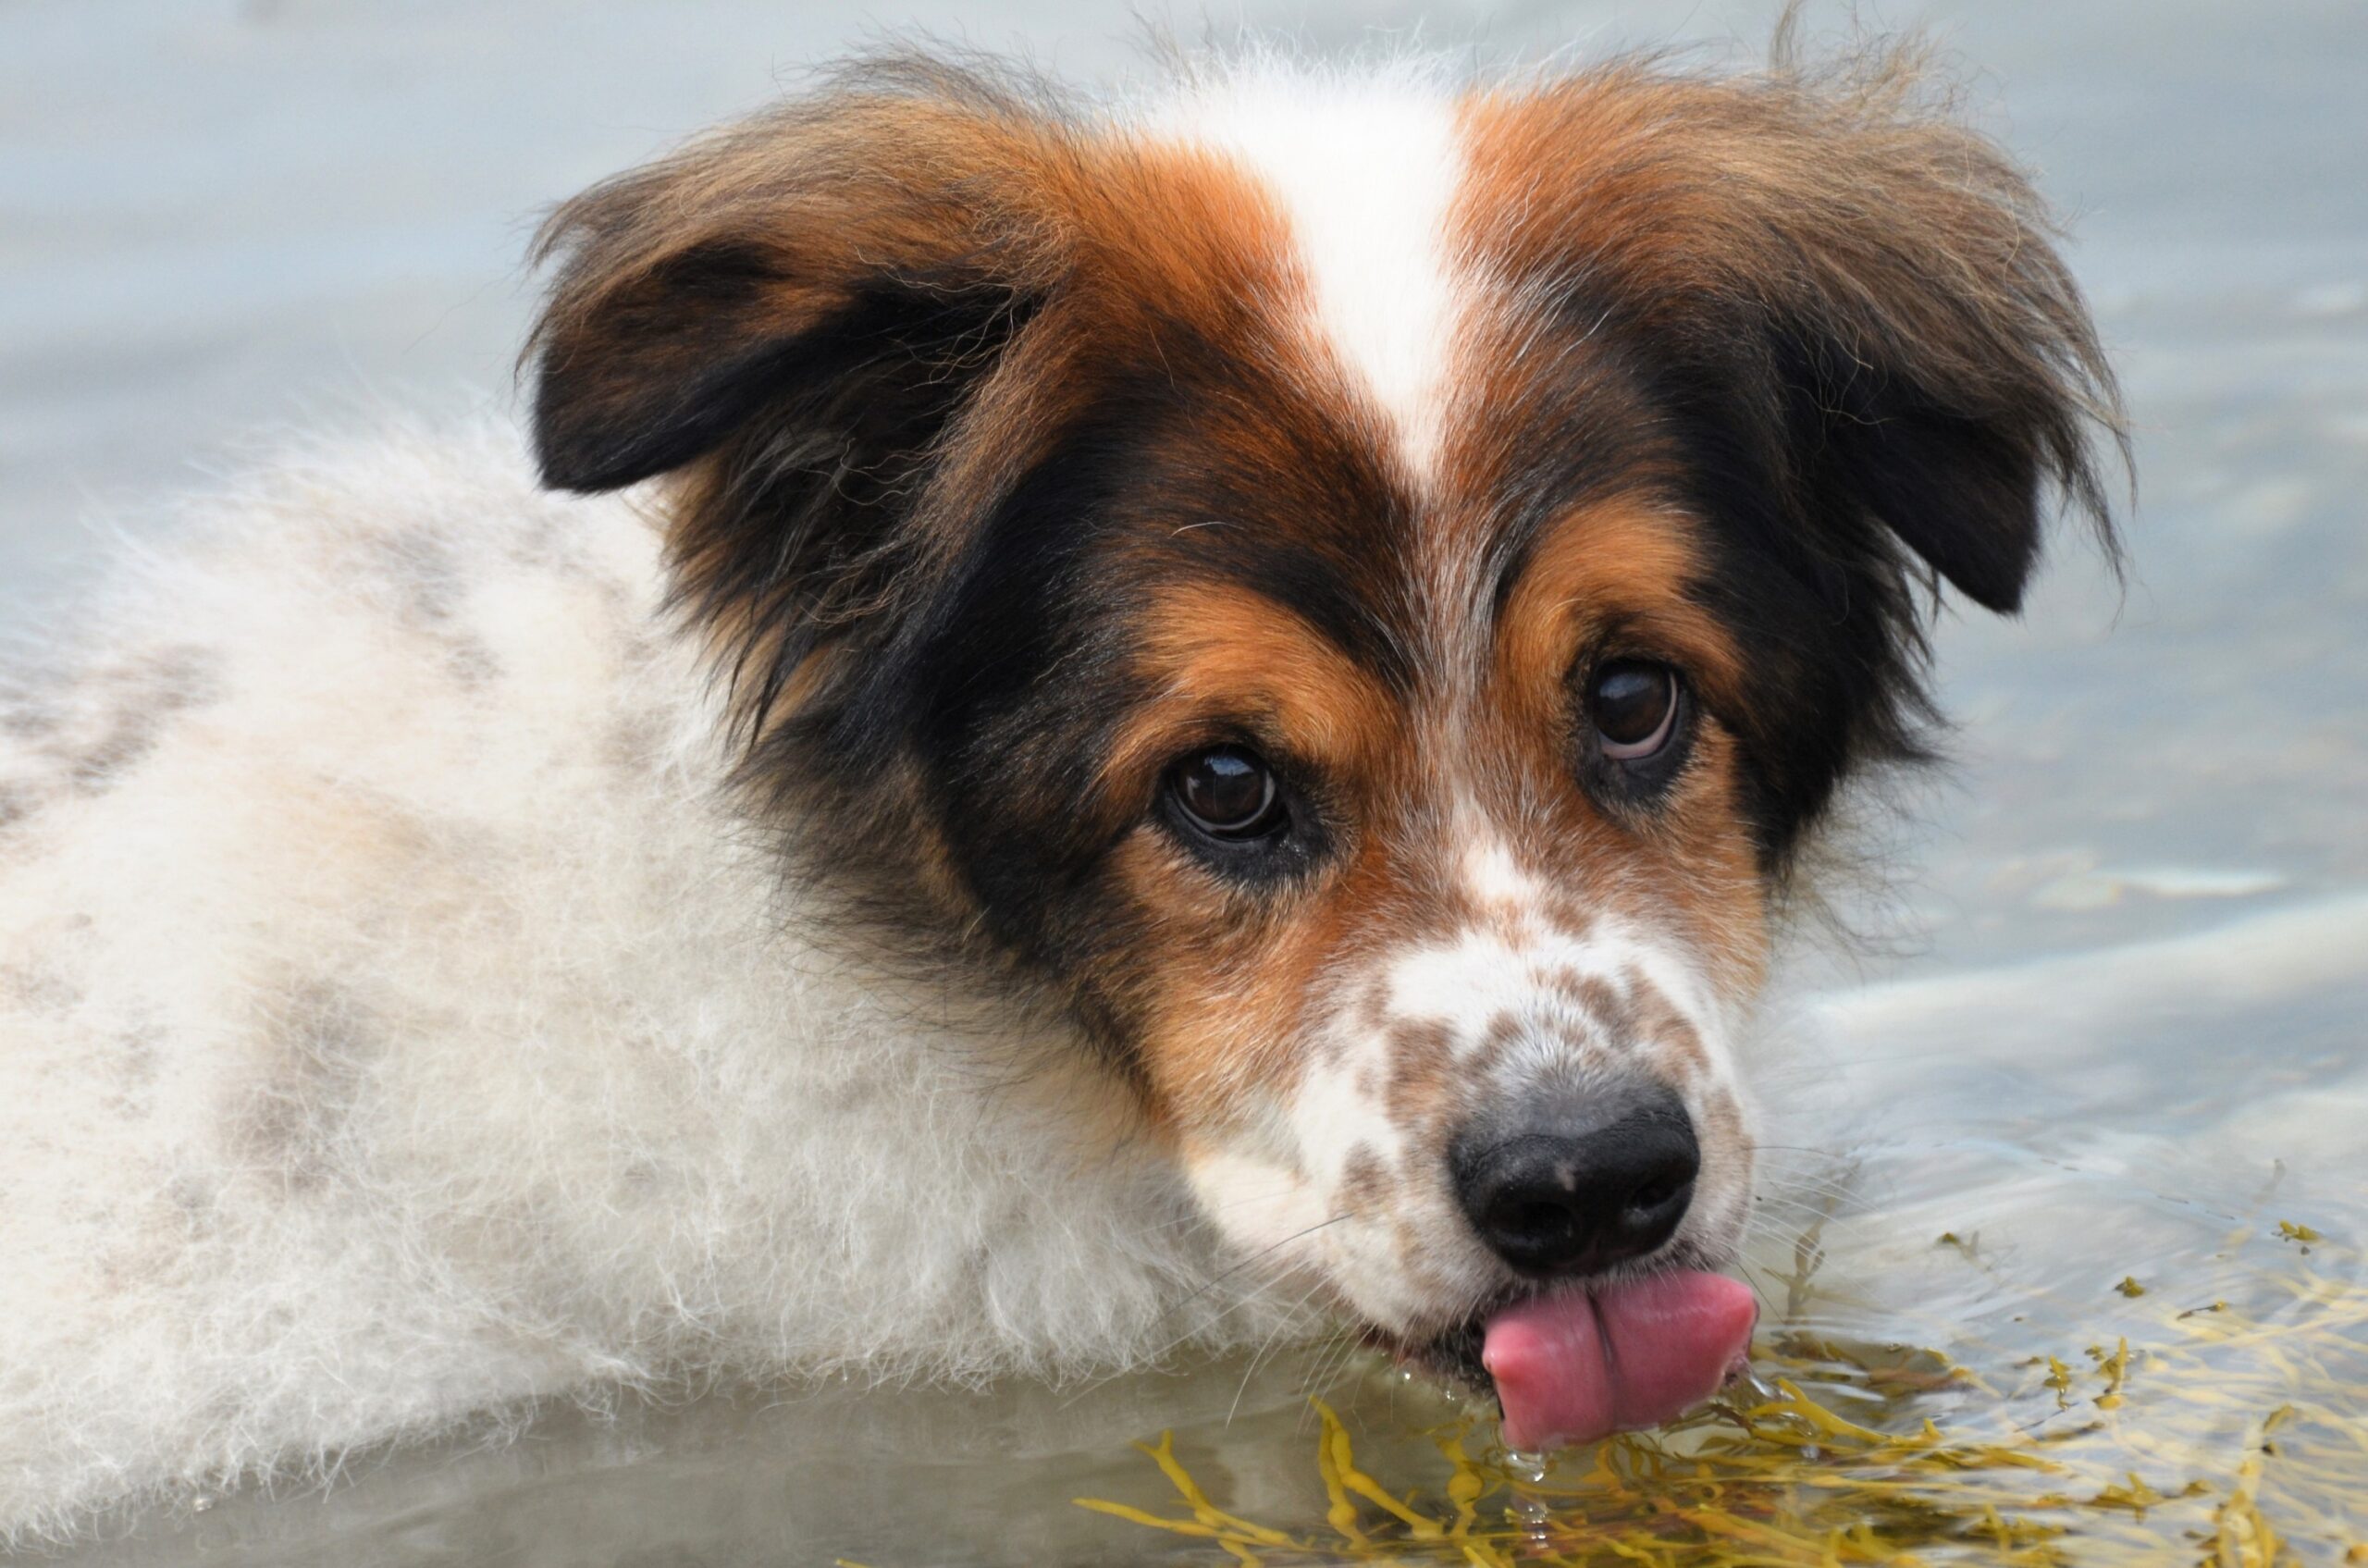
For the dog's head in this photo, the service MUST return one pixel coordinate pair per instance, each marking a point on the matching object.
(1361, 589)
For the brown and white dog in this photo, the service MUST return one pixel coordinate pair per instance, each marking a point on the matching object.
(1202, 731)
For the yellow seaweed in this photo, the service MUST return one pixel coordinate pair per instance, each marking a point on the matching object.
(2231, 1433)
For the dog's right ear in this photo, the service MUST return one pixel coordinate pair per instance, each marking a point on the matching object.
(794, 313)
(836, 272)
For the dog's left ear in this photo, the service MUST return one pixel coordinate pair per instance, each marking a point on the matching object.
(1860, 296)
(1938, 373)
(1936, 370)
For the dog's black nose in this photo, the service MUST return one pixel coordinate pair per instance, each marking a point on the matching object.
(1574, 1193)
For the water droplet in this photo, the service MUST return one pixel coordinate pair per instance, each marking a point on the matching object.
(200, 1503)
(1525, 1464)
(1529, 1515)
(1810, 1453)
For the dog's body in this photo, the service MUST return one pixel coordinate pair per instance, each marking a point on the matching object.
(397, 1019)
(1206, 728)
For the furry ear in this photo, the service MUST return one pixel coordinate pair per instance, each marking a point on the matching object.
(1945, 406)
(672, 362)
(1963, 490)
(838, 266)
(1937, 366)
(1863, 293)
(795, 313)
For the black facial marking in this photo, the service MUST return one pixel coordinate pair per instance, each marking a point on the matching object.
(1025, 666)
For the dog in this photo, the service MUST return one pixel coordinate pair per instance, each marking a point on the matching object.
(1076, 733)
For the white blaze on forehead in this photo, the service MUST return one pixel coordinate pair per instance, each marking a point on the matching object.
(1364, 168)
(1493, 876)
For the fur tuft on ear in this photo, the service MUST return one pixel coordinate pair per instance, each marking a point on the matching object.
(1945, 374)
(1869, 289)
(793, 313)
(872, 229)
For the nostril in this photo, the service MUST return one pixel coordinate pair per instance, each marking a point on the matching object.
(1667, 1172)
(1532, 1218)
(1605, 1182)
(1655, 1193)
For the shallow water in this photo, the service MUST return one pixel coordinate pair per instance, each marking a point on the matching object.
(2113, 1018)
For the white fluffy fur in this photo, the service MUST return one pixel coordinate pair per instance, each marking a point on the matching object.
(396, 1021)
(1364, 165)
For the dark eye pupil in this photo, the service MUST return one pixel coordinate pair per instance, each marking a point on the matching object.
(1630, 699)
(1227, 790)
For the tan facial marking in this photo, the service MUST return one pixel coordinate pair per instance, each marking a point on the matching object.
(1216, 654)
(1624, 564)
(1224, 1000)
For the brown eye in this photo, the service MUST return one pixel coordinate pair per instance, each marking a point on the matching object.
(1633, 705)
(1227, 792)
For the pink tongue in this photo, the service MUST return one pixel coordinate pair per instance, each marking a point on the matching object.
(1572, 1368)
